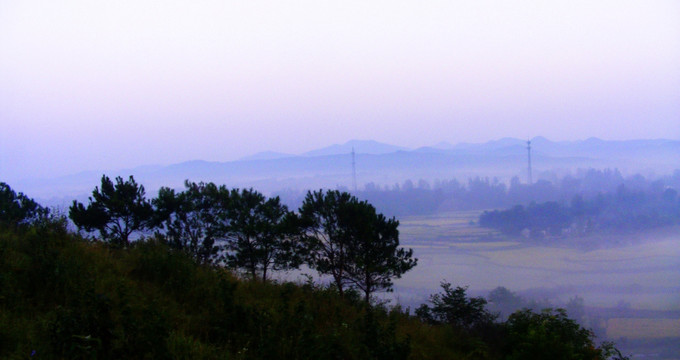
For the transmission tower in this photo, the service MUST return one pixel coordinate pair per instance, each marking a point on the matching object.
(529, 158)
(354, 171)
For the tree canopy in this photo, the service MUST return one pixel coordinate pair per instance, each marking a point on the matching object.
(150, 300)
(376, 257)
(194, 220)
(322, 217)
(453, 307)
(550, 334)
(351, 242)
(16, 209)
(261, 234)
(115, 210)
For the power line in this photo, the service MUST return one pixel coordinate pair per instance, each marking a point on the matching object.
(529, 158)
(354, 171)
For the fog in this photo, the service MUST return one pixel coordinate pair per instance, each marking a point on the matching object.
(627, 284)
(424, 109)
(583, 235)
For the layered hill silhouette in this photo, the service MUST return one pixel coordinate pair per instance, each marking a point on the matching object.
(383, 164)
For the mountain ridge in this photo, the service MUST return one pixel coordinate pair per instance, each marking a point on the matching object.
(387, 164)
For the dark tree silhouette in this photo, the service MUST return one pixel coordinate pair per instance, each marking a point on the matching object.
(261, 234)
(116, 211)
(348, 240)
(194, 220)
(374, 252)
(324, 234)
(18, 209)
(453, 307)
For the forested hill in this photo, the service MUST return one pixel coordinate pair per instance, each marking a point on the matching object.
(63, 296)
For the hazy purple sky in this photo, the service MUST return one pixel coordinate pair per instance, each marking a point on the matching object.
(113, 84)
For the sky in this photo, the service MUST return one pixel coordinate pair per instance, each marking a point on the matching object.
(93, 85)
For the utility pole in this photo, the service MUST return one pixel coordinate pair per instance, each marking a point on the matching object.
(354, 171)
(529, 158)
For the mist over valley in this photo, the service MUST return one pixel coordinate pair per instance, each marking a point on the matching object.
(340, 180)
(609, 274)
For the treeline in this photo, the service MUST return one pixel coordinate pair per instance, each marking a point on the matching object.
(18, 210)
(479, 193)
(64, 296)
(332, 232)
(624, 210)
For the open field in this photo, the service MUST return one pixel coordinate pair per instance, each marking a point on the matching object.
(644, 273)
(641, 273)
(630, 286)
(442, 228)
(643, 328)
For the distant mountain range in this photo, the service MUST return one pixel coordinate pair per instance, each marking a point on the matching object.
(382, 164)
(359, 147)
(592, 147)
(266, 155)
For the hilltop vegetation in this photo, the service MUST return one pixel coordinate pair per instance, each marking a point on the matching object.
(67, 296)
(334, 232)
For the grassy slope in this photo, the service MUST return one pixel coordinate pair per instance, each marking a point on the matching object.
(61, 297)
(64, 298)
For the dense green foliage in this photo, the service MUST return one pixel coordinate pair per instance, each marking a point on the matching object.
(262, 234)
(18, 210)
(115, 210)
(550, 334)
(335, 233)
(66, 298)
(193, 220)
(455, 308)
(63, 296)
